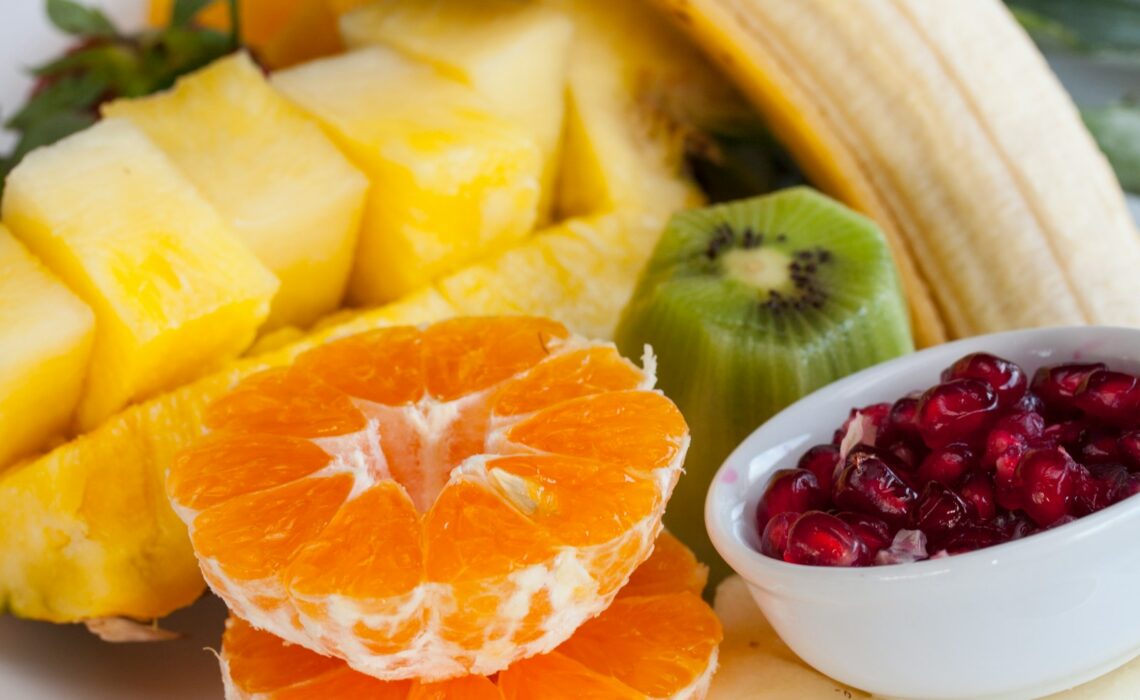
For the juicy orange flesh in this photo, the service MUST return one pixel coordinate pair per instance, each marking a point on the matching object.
(652, 645)
(670, 568)
(291, 484)
(226, 465)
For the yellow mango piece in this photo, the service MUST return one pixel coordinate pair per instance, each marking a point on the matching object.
(173, 290)
(292, 197)
(45, 342)
(451, 180)
(514, 54)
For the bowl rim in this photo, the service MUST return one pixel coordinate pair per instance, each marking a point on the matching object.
(764, 571)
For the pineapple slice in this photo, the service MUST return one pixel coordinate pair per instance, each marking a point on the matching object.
(451, 180)
(637, 91)
(173, 291)
(45, 342)
(513, 54)
(295, 200)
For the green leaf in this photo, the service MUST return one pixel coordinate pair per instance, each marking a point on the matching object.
(1094, 26)
(184, 11)
(79, 20)
(1116, 129)
(74, 93)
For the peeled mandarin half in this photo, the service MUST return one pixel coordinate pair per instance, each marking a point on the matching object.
(657, 640)
(432, 502)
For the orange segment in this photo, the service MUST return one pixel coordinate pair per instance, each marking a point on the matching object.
(579, 502)
(226, 465)
(356, 503)
(567, 376)
(285, 401)
(614, 644)
(638, 429)
(264, 663)
(671, 568)
(640, 648)
(466, 355)
(384, 366)
(254, 536)
(370, 549)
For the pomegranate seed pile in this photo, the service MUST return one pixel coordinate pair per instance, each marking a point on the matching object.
(982, 458)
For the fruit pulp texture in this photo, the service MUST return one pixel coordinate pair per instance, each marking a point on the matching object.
(432, 502)
(657, 640)
(984, 457)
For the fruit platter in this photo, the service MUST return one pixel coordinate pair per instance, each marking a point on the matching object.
(522, 349)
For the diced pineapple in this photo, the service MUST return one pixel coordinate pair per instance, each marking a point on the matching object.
(513, 53)
(580, 272)
(292, 198)
(173, 290)
(45, 342)
(637, 89)
(451, 180)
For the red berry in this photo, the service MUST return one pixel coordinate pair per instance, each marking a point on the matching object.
(875, 532)
(1004, 377)
(977, 490)
(821, 460)
(789, 491)
(1048, 479)
(820, 539)
(1056, 385)
(956, 411)
(1113, 397)
(939, 511)
(868, 485)
(774, 538)
(947, 464)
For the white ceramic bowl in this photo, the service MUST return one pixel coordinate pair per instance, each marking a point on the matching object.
(1017, 620)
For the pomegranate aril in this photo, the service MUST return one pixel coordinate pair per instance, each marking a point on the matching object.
(905, 455)
(1014, 525)
(1098, 447)
(1030, 403)
(1056, 385)
(1129, 444)
(875, 532)
(876, 413)
(907, 546)
(956, 411)
(1098, 487)
(789, 491)
(977, 490)
(869, 485)
(973, 536)
(947, 465)
(821, 539)
(1067, 434)
(821, 460)
(902, 421)
(939, 511)
(1006, 378)
(774, 537)
(1047, 479)
(1113, 397)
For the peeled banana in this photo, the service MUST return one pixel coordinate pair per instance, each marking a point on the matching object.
(941, 121)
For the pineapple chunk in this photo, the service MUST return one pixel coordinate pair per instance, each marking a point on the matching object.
(294, 200)
(45, 342)
(451, 180)
(637, 90)
(173, 291)
(514, 54)
(580, 272)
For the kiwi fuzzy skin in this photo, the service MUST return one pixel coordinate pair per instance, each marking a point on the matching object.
(731, 354)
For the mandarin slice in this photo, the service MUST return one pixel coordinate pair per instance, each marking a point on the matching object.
(658, 645)
(432, 502)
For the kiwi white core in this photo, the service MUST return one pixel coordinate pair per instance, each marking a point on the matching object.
(762, 268)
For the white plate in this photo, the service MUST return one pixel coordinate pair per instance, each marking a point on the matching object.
(46, 662)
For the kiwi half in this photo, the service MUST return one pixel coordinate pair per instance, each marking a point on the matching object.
(749, 306)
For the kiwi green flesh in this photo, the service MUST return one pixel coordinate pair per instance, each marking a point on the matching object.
(730, 357)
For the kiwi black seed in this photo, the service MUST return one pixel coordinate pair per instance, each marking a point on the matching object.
(749, 306)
